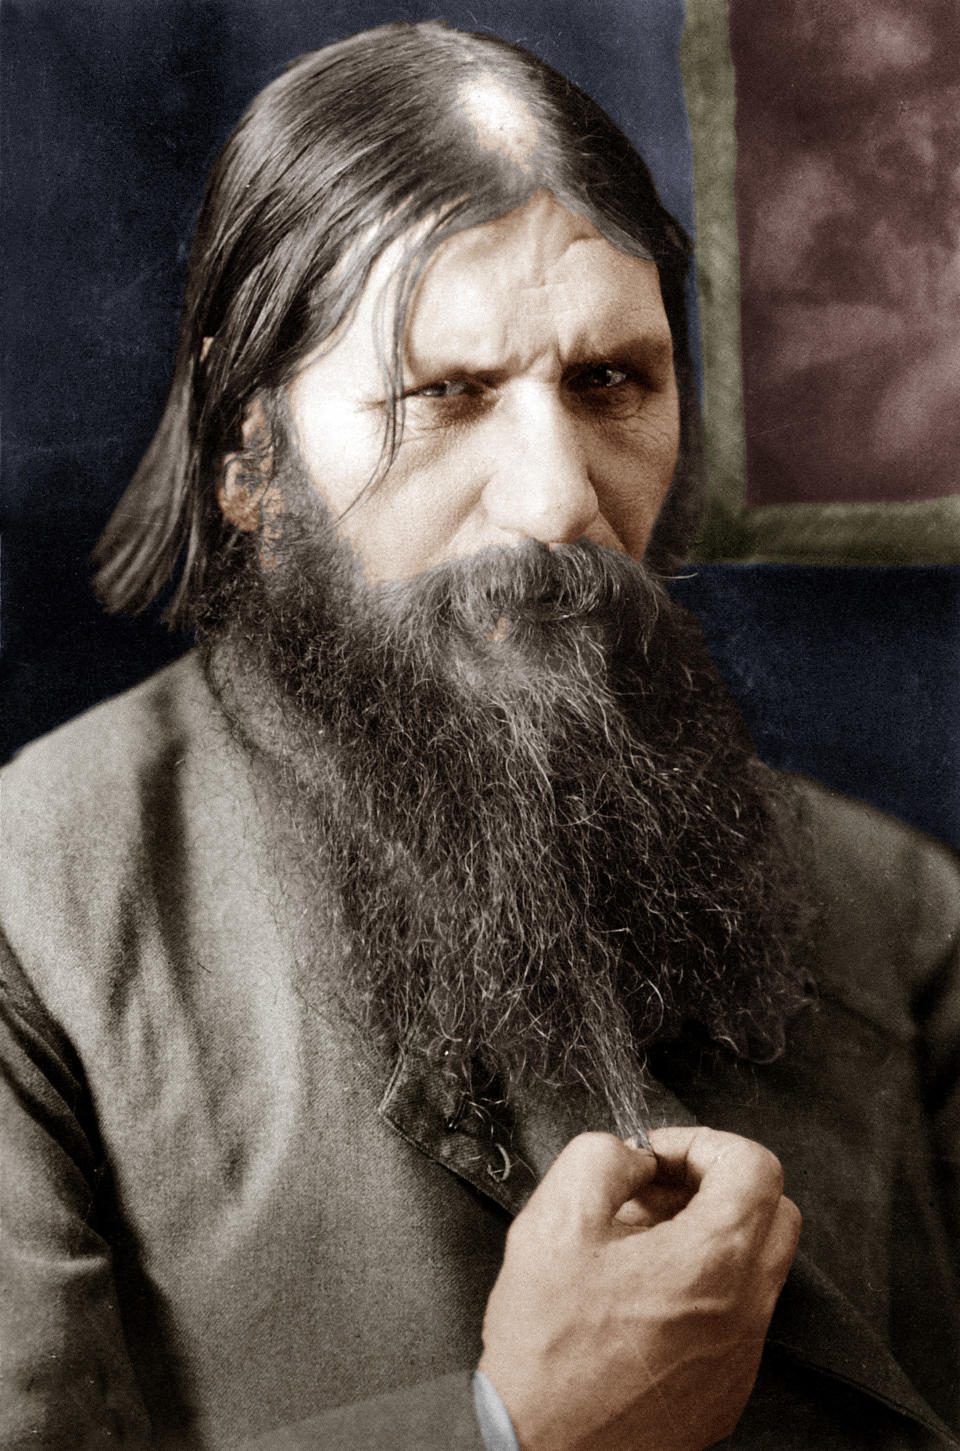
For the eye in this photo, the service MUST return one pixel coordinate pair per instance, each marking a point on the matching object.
(446, 388)
(601, 376)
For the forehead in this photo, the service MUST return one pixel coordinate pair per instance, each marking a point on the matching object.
(539, 281)
(540, 274)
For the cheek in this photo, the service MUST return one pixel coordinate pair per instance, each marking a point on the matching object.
(634, 476)
(410, 522)
(340, 448)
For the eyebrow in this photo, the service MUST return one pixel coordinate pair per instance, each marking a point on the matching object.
(653, 348)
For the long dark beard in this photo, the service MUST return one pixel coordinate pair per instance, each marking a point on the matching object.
(538, 808)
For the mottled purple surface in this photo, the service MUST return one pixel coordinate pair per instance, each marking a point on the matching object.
(848, 195)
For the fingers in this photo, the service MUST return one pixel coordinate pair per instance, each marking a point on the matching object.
(735, 1183)
(782, 1241)
(715, 1186)
(593, 1176)
(655, 1203)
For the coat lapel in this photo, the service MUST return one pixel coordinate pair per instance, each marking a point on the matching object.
(817, 1325)
(504, 1157)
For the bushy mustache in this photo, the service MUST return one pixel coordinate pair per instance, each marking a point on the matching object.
(500, 591)
(506, 618)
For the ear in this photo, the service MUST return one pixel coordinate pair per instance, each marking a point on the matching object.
(244, 478)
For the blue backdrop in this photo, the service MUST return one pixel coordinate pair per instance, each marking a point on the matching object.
(112, 113)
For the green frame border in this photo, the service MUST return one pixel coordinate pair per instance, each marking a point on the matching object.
(927, 532)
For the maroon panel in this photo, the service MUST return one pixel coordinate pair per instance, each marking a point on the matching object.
(848, 198)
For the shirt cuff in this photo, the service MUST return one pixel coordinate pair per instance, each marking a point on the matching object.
(496, 1427)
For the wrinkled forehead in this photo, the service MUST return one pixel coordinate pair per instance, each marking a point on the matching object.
(541, 269)
(539, 261)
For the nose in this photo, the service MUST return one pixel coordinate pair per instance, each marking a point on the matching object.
(540, 485)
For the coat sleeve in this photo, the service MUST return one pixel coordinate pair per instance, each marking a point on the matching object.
(67, 1380)
(925, 1262)
(437, 1415)
(891, 925)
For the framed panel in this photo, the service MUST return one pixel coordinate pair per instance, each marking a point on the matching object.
(828, 241)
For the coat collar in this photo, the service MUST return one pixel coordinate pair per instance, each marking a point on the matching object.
(505, 1156)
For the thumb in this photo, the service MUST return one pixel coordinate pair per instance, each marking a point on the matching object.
(593, 1176)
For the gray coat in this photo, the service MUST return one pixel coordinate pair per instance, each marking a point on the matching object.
(227, 1222)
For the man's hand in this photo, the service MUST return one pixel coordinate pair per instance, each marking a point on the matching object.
(634, 1298)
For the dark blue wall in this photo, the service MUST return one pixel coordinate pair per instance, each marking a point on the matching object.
(849, 675)
(111, 114)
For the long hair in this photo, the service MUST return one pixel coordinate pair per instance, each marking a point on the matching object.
(350, 148)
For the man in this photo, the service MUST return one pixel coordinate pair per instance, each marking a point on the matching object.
(328, 945)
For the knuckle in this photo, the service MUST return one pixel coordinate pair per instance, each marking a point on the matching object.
(775, 1170)
(764, 1173)
(739, 1247)
(588, 1153)
(791, 1214)
(594, 1144)
(791, 1221)
(755, 1162)
(769, 1170)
